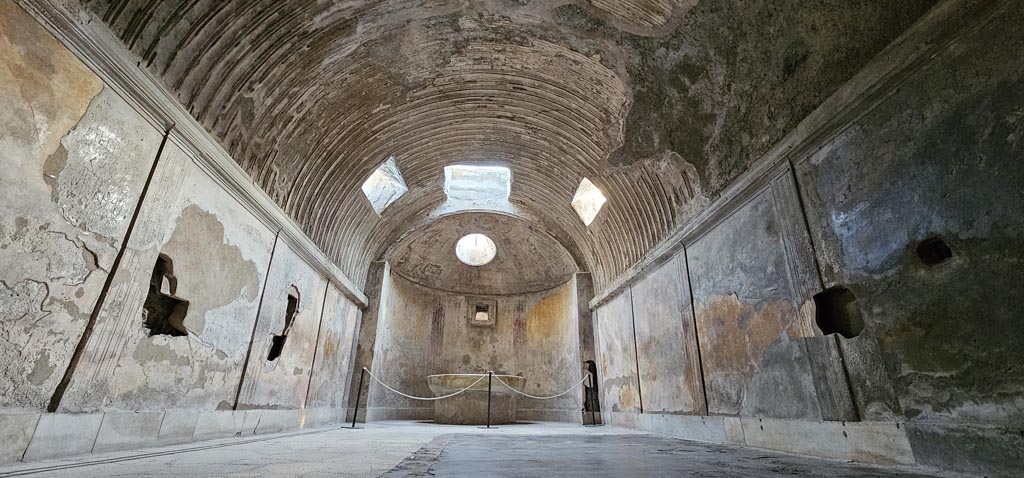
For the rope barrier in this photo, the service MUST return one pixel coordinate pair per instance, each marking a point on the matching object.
(574, 387)
(423, 398)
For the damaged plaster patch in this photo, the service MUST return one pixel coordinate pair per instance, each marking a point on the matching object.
(104, 159)
(158, 349)
(22, 307)
(28, 248)
(24, 300)
(42, 370)
(212, 274)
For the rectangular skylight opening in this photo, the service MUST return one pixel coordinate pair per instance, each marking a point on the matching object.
(384, 186)
(476, 183)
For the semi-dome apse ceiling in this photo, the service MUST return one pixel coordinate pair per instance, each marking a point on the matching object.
(661, 103)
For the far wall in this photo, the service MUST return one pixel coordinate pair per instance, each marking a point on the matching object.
(421, 331)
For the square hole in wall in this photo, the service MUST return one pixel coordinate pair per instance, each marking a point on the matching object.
(482, 312)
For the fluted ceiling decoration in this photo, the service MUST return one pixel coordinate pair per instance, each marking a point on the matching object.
(659, 102)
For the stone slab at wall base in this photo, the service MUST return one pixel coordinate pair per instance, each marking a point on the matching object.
(564, 416)
(990, 451)
(322, 417)
(880, 443)
(62, 435)
(373, 414)
(687, 427)
(35, 436)
(125, 430)
(15, 433)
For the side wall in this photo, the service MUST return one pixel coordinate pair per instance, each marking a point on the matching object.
(422, 331)
(92, 193)
(934, 378)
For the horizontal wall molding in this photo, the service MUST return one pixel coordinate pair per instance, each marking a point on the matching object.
(95, 45)
(913, 50)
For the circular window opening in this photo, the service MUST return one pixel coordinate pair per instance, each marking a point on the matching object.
(475, 250)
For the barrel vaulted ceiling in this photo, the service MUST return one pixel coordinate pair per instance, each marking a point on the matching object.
(661, 103)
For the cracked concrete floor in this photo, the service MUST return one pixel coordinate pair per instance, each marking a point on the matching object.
(400, 449)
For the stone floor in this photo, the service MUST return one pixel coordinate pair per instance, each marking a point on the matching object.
(402, 449)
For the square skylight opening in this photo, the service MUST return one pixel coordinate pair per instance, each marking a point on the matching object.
(384, 186)
(477, 183)
(588, 201)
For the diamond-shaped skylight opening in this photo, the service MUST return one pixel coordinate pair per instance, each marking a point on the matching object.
(476, 183)
(384, 186)
(588, 201)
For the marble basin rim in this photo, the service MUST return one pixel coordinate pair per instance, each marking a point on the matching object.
(446, 383)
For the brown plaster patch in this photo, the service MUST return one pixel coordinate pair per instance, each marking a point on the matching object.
(149, 350)
(42, 369)
(737, 335)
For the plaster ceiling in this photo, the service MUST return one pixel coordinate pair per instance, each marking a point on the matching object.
(659, 102)
(527, 259)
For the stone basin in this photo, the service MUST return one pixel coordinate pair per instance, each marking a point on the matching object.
(470, 407)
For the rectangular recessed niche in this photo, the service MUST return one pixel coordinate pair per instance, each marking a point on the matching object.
(482, 312)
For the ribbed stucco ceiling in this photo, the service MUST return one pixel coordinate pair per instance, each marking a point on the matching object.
(659, 102)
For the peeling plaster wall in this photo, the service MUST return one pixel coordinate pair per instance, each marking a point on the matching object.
(935, 375)
(422, 331)
(75, 160)
(942, 156)
(220, 254)
(367, 339)
(749, 295)
(80, 233)
(283, 383)
(335, 353)
(743, 342)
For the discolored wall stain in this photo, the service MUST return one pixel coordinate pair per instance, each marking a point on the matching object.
(123, 366)
(739, 340)
(620, 386)
(551, 352)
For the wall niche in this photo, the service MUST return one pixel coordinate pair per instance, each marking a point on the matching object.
(481, 312)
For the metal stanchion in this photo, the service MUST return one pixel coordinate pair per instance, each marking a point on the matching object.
(359, 391)
(490, 375)
(590, 399)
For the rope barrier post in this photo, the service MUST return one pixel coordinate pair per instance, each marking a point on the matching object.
(359, 391)
(590, 399)
(489, 376)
